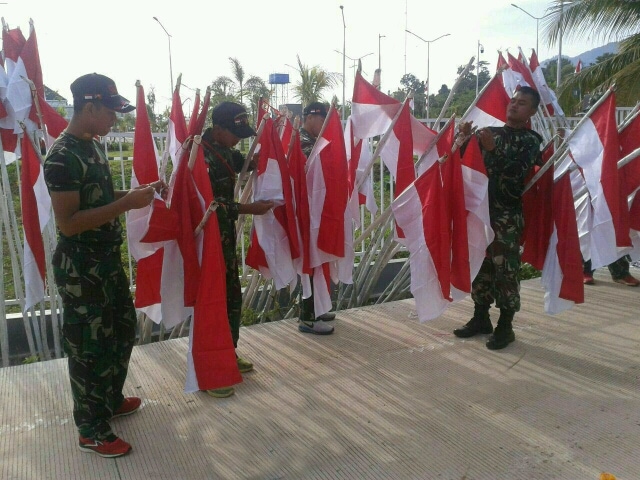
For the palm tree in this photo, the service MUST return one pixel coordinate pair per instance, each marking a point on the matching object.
(238, 74)
(610, 20)
(256, 88)
(313, 81)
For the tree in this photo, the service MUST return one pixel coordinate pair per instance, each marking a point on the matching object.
(313, 82)
(608, 20)
(256, 88)
(238, 74)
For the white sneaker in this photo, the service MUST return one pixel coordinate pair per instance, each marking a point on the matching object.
(318, 328)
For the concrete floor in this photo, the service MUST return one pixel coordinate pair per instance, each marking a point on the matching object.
(385, 397)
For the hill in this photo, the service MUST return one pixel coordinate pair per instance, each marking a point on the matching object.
(588, 57)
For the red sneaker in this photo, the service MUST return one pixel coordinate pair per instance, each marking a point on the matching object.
(129, 406)
(105, 448)
(588, 279)
(629, 280)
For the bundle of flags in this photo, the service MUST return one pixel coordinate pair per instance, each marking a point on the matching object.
(22, 97)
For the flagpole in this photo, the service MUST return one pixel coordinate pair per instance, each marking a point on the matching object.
(564, 144)
(248, 158)
(453, 90)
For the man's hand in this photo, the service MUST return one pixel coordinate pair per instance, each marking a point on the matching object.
(139, 197)
(486, 139)
(465, 128)
(259, 207)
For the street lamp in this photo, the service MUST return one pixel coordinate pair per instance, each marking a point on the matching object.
(537, 19)
(344, 49)
(170, 66)
(480, 50)
(559, 46)
(428, 42)
(379, 54)
(354, 60)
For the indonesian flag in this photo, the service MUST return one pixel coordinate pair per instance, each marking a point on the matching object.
(285, 131)
(595, 148)
(630, 180)
(373, 112)
(297, 163)
(490, 108)
(176, 136)
(547, 95)
(421, 213)
(519, 73)
(148, 230)
(328, 194)
(16, 96)
(578, 66)
(52, 120)
(36, 213)
(211, 359)
(275, 235)
(263, 109)
(562, 269)
(476, 200)
(360, 189)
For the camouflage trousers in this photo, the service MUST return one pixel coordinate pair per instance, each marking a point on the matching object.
(618, 269)
(498, 279)
(232, 279)
(98, 332)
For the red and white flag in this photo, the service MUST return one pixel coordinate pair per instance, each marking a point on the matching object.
(36, 213)
(360, 189)
(490, 107)
(149, 229)
(275, 234)
(630, 180)
(578, 66)
(517, 75)
(328, 193)
(562, 270)
(547, 95)
(595, 148)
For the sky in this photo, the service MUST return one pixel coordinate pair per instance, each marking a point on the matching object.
(122, 40)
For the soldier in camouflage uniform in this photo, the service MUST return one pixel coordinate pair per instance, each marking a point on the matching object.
(619, 271)
(509, 154)
(99, 317)
(314, 115)
(230, 125)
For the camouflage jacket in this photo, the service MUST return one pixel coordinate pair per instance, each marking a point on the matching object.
(81, 165)
(509, 164)
(307, 141)
(224, 164)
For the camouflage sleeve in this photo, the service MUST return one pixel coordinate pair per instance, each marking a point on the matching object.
(237, 160)
(62, 173)
(232, 209)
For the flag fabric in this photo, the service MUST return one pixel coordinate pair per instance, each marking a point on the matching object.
(372, 113)
(490, 108)
(359, 158)
(149, 229)
(547, 95)
(578, 66)
(330, 233)
(476, 200)
(630, 180)
(36, 213)
(595, 148)
(275, 234)
(176, 136)
(518, 75)
(562, 270)
(211, 361)
(285, 131)
(297, 163)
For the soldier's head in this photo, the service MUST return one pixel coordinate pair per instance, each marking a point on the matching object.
(95, 103)
(230, 124)
(522, 107)
(313, 117)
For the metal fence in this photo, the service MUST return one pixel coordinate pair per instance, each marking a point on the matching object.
(35, 336)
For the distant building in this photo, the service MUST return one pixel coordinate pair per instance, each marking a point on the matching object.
(57, 101)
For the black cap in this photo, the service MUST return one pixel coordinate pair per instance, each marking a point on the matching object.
(234, 118)
(315, 108)
(94, 86)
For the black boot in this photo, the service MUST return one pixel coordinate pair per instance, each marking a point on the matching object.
(503, 334)
(479, 323)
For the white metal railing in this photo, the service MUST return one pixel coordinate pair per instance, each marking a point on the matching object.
(123, 142)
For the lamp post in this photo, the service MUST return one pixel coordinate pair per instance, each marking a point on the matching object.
(170, 66)
(354, 60)
(537, 19)
(344, 59)
(428, 42)
(559, 46)
(379, 53)
(480, 50)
